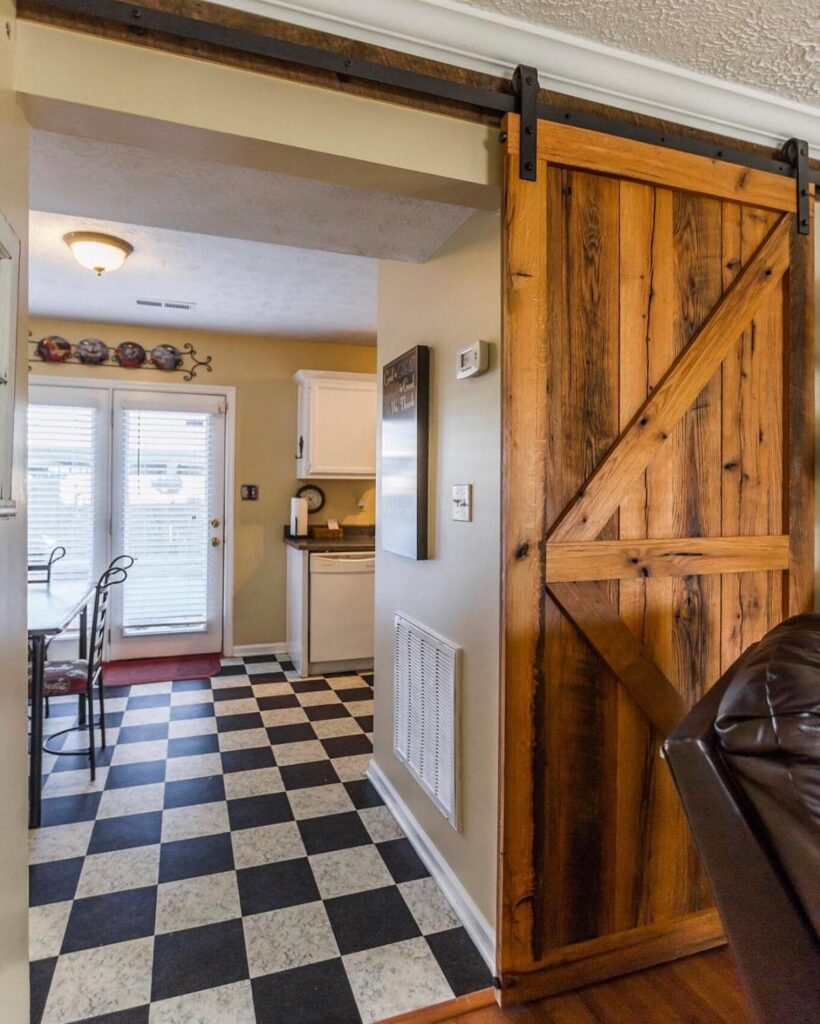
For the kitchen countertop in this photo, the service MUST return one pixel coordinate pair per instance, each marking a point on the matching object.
(355, 540)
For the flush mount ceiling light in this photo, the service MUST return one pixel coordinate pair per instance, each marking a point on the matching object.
(100, 253)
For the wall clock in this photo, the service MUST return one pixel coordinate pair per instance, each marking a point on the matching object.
(314, 496)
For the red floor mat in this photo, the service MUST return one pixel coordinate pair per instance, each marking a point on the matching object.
(159, 670)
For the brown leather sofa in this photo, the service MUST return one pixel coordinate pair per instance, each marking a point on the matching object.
(746, 761)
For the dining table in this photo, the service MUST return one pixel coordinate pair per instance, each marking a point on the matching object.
(52, 607)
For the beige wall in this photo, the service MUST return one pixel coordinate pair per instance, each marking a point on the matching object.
(262, 371)
(13, 687)
(447, 303)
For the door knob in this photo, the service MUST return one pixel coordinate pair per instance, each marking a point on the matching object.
(215, 542)
(214, 523)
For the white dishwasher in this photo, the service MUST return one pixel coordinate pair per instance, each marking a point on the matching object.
(342, 606)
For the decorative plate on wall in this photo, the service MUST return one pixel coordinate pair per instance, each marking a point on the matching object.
(92, 351)
(166, 357)
(129, 354)
(54, 349)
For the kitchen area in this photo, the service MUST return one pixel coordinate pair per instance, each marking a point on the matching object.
(331, 566)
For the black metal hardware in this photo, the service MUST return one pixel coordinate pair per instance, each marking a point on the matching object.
(797, 152)
(144, 19)
(301, 447)
(525, 84)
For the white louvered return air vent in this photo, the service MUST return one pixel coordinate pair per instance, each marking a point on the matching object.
(425, 727)
(166, 303)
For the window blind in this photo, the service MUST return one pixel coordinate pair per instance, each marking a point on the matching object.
(166, 489)
(63, 478)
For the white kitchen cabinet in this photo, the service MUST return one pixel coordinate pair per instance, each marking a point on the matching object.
(337, 425)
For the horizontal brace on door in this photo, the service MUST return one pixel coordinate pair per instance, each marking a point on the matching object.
(144, 19)
(584, 561)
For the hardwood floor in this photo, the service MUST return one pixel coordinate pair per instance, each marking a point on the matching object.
(701, 989)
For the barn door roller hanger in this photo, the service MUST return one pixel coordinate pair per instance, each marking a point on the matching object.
(522, 100)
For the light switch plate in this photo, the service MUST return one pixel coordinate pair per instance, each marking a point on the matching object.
(463, 503)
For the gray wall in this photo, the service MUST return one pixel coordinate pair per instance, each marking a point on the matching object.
(447, 303)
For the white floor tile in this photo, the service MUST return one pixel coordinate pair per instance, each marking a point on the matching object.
(253, 783)
(336, 727)
(145, 716)
(318, 801)
(198, 820)
(243, 739)
(314, 697)
(131, 753)
(299, 753)
(197, 766)
(59, 842)
(351, 768)
(46, 928)
(116, 803)
(102, 980)
(381, 824)
(266, 844)
(74, 783)
(193, 902)
(243, 706)
(191, 727)
(119, 870)
(342, 872)
(283, 716)
(272, 689)
(395, 979)
(192, 697)
(428, 906)
(227, 1004)
(282, 939)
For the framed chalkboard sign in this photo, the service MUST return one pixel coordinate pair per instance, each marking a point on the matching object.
(404, 457)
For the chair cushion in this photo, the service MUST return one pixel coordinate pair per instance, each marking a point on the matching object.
(61, 677)
(768, 725)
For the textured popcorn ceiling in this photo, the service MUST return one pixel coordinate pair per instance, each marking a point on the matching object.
(773, 45)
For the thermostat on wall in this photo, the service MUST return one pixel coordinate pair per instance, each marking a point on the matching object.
(474, 360)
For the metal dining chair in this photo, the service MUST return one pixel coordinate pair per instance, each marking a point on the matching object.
(80, 676)
(40, 572)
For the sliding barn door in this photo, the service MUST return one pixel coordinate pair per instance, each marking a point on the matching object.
(658, 519)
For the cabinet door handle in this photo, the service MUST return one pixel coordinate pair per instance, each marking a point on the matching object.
(301, 447)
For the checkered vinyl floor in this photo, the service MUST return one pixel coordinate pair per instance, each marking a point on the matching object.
(231, 864)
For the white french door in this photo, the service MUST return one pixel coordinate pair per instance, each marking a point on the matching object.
(167, 512)
(141, 472)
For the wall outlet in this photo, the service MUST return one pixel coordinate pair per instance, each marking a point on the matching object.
(463, 503)
(249, 492)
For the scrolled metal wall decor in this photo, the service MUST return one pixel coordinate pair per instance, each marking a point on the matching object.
(129, 355)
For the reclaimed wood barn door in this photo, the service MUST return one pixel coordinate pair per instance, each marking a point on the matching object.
(658, 519)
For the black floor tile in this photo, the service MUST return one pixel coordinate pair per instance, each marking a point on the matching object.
(40, 974)
(335, 832)
(114, 917)
(363, 794)
(137, 1015)
(316, 994)
(284, 883)
(460, 961)
(231, 670)
(186, 746)
(184, 712)
(284, 700)
(360, 693)
(123, 833)
(247, 760)
(114, 692)
(141, 773)
(236, 723)
(253, 811)
(260, 659)
(402, 861)
(185, 685)
(291, 733)
(321, 712)
(346, 746)
(367, 919)
(143, 733)
(198, 958)
(268, 677)
(65, 810)
(286, 665)
(113, 720)
(243, 692)
(190, 858)
(194, 791)
(303, 776)
(148, 700)
(366, 722)
(53, 881)
(309, 685)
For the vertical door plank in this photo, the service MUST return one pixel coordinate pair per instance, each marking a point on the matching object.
(583, 422)
(752, 439)
(523, 771)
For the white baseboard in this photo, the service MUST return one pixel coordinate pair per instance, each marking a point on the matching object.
(476, 925)
(249, 650)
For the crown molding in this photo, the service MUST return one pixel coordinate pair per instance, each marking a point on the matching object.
(448, 31)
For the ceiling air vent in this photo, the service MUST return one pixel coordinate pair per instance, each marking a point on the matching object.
(166, 303)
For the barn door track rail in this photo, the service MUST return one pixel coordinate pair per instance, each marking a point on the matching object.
(522, 98)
